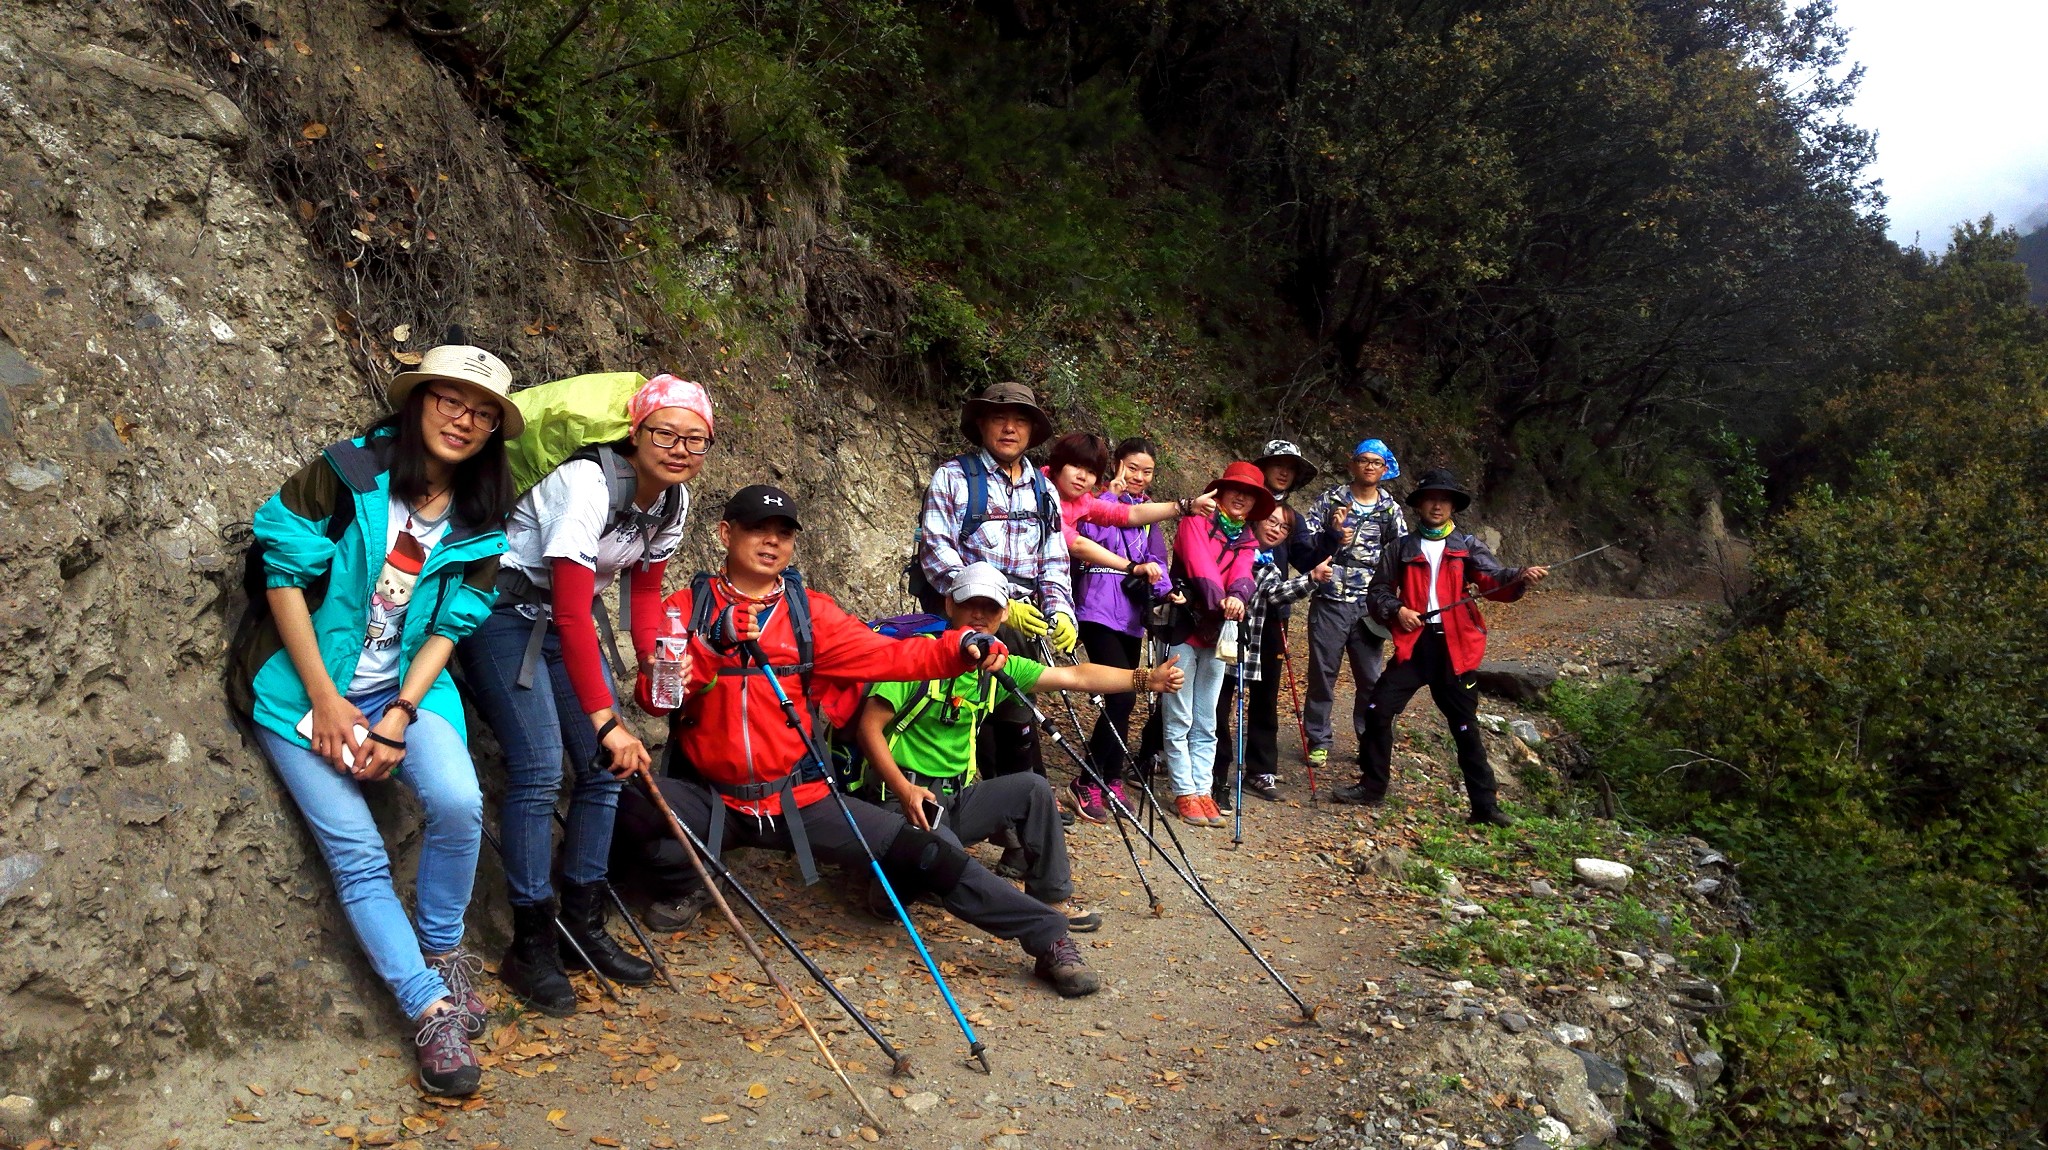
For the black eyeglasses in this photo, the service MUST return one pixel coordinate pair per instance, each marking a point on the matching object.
(694, 442)
(452, 409)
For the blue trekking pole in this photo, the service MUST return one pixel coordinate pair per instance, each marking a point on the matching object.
(751, 649)
(1237, 814)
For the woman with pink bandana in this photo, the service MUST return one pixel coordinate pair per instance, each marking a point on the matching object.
(541, 680)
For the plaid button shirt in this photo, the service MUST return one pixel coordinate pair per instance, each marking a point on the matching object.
(1377, 528)
(1010, 538)
(1275, 590)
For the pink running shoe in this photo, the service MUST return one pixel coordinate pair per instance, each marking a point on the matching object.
(1088, 801)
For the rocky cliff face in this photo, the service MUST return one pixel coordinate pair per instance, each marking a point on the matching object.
(179, 329)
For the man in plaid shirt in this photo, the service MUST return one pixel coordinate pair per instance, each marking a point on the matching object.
(1019, 533)
(1356, 523)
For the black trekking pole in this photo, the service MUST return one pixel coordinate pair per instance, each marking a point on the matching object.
(1237, 814)
(498, 849)
(633, 924)
(753, 948)
(752, 649)
(1428, 615)
(899, 1062)
(1155, 817)
(1157, 908)
(1308, 1013)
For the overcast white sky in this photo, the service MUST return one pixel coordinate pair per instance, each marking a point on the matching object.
(1957, 91)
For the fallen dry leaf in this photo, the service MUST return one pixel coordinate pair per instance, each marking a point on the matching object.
(715, 1119)
(757, 1091)
(302, 48)
(314, 131)
(555, 1119)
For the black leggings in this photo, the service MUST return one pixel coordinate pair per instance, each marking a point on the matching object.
(1113, 648)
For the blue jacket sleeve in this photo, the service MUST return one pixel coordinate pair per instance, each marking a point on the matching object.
(292, 526)
(471, 600)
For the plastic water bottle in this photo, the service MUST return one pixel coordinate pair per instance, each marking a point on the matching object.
(1226, 642)
(671, 647)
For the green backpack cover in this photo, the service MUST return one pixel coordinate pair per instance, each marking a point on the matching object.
(564, 417)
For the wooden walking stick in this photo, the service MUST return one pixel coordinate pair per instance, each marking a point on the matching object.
(753, 948)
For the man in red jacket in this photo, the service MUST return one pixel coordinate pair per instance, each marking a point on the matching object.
(1439, 641)
(762, 779)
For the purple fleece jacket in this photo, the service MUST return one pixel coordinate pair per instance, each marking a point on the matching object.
(1102, 594)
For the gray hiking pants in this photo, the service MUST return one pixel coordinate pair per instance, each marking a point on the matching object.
(1023, 803)
(980, 898)
(1335, 630)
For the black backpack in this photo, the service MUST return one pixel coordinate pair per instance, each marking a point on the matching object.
(256, 607)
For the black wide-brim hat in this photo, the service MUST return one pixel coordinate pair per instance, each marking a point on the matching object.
(1440, 480)
(1005, 395)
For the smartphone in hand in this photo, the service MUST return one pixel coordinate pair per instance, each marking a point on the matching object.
(348, 757)
(932, 813)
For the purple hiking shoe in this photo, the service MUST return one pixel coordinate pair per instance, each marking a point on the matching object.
(1088, 801)
(460, 970)
(447, 1064)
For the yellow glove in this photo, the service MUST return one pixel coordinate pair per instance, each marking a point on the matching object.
(1027, 619)
(1064, 633)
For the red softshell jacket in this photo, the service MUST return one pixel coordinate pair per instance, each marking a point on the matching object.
(733, 730)
(1402, 580)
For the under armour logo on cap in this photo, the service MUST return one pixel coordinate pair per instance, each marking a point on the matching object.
(751, 505)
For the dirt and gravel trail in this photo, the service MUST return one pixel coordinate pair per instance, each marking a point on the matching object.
(1188, 1043)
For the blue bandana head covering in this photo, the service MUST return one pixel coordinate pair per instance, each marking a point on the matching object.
(1379, 447)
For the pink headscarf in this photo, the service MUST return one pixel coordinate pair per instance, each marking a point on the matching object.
(666, 390)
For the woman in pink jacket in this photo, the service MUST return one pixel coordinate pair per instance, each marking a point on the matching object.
(1212, 564)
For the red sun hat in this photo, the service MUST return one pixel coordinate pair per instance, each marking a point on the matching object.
(1253, 481)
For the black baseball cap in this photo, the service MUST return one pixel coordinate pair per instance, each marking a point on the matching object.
(750, 505)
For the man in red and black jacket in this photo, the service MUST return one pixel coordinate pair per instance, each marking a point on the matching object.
(761, 778)
(1439, 639)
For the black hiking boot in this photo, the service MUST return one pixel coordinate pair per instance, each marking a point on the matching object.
(1221, 796)
(1356, 795)
(1490, 817)
(668, 914)
(583, 913)
(532, 967)
(1068, 972)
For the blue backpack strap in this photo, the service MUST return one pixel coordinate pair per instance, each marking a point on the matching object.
(798, 603)
(1049, 523)
(976, 512)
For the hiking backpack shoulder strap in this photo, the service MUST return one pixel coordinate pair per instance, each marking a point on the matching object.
(620, 481)
(702, 603)
(976, 512)
(1049, 524)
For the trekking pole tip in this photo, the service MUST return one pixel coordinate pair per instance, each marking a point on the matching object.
(902, 1068)
(980, 1052)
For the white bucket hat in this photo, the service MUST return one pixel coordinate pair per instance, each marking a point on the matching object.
(472, 367)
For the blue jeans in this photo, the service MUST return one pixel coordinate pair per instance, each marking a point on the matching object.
(438, 770)
(535, 725)
(1191, 720)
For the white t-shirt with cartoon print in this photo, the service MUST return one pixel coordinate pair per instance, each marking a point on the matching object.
(564, 516)
(408, 540)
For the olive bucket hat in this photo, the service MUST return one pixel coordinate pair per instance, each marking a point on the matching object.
(1003, 395)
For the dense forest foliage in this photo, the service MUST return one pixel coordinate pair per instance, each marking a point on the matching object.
(1614, 240)
(1625, 248)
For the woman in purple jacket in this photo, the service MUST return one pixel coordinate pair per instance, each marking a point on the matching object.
(1113, 621)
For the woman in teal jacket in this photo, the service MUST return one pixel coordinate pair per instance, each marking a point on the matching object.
(378, 556)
